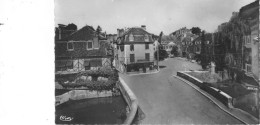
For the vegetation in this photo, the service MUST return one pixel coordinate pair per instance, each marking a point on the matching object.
(162, 54)
(203, 56)
(90, 80)
(174, 51)
(195, 30)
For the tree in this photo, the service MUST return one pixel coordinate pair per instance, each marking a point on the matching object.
(160, 37)
(174, 51)
(203, 51)
(195, 30)
(71, 26)
(162, 54)
(98, 30)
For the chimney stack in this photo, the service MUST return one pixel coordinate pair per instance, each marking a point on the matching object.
(143, 27)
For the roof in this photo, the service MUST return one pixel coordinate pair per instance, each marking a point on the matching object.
(80, 50)
(86, 33)
(250, 11)
(138, 33)
(171, 43)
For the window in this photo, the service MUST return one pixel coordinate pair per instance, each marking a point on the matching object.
(96, 43)
(87, 64)
(147, 56)
(132, 48)
(89, 45)
(126, 37)
(70, 46)
(131, 37)
(146, 46)
(132, 57)
(146, 38)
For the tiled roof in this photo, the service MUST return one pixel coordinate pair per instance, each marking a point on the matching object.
(80, 50)
(138, 33)
(85, 33)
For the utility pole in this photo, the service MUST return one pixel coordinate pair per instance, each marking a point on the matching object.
(158, 56)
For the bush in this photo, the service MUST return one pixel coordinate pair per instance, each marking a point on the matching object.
(77, 82)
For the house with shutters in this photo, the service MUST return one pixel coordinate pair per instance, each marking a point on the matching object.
(82, 50)
(134, 50)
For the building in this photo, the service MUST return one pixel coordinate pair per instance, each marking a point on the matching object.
(80, 51)
(183, 40)
(194, 47)
(134, 50)
(250, 15)
(62, 31)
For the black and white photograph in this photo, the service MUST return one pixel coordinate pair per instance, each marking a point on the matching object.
(135, 62)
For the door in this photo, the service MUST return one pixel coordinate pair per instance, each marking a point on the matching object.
(132, 57)
(147, 56)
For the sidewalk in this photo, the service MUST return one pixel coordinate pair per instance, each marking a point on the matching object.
(142, 73)
(237, 113)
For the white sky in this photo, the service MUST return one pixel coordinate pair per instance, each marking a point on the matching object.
(157, 15)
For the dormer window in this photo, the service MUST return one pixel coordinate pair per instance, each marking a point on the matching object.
(146, 38)
(70, 46)
(131, 37)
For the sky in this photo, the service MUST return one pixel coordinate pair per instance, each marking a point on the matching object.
(158, 15)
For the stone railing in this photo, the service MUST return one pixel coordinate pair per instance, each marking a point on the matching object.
(131, 100)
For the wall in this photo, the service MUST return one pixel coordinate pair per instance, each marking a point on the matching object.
(80, 94)
(139, 51)
(131, 100)
(254, 46)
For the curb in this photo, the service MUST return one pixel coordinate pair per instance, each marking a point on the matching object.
(211, 98)
(142, 73)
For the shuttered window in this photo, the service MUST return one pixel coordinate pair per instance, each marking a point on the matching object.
(96, 43)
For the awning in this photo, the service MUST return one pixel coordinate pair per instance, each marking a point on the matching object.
(96, 62)
(87, 63)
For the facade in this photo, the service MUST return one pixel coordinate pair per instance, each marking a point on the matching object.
(250, 14)
(134, 50)
(168, 45)
(194, 47)
(81, 51)
(184, 39)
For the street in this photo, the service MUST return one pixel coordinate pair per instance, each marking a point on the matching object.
(167, 100)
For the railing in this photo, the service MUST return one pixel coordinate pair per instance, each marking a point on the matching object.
(248, 68)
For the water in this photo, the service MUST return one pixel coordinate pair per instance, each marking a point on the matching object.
(109, 110)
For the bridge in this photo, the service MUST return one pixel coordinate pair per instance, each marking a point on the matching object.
(167, 100)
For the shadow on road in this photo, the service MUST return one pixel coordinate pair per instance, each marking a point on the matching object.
(162, 67)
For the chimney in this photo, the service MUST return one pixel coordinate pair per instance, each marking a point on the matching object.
(143, 27)
(120, 32)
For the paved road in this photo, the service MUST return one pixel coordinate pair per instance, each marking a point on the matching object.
(167, 100)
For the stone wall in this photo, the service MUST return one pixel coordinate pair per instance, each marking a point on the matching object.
(81, 94)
